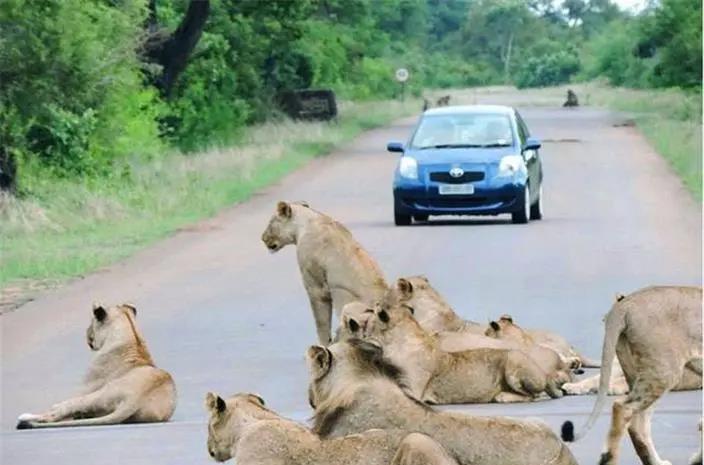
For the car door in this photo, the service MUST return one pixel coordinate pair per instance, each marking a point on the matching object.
(532, 158)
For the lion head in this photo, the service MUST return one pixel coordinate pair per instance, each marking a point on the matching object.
(387, 317)
(344, 364)
(353, 320)
(223, 423)
(281, 230)
(506, 329)
(112, 326)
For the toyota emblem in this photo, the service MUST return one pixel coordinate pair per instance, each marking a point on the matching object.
(456, 172)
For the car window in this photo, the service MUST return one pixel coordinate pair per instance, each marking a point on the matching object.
(463, 130)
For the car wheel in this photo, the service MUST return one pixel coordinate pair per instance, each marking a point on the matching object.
(420, 217)
(401, 219)
(523, 215)
(536, 210)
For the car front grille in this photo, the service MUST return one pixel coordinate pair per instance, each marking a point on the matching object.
(468, 176)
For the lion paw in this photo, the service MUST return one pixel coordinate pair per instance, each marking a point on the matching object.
(28, 417)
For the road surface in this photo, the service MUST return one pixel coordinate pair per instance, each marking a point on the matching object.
(224, 315)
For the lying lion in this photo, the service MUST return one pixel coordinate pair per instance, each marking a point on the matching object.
(517, 338)
(438, 377)
(656, 333)
(354, 388)
(334, 266)
(122, 384)
(436, 315)
(242, 428)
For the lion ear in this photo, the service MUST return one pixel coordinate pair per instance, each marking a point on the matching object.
(99, 312)
(214, 403)
(132, 308)
(506, 318)
(283, 209)
(494, 325)
(405, 287)
(620, 297)
(352, 325)
(320, 357)
(257, 398)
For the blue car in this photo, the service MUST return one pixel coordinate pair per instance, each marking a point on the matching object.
(468, 160)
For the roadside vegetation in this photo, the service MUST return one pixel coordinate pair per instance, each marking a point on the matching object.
(121, 121)
(67, 228)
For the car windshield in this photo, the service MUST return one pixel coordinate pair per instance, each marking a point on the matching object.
(467, 130)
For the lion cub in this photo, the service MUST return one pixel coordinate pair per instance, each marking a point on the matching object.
(242, 428)
(122, 384)
(439, 377)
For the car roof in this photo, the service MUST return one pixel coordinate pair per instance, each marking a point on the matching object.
(464, 109)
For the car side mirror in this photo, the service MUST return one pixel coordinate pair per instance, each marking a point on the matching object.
(395, 147)
(532, 144)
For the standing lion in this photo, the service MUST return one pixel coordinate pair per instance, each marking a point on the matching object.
(656, 333)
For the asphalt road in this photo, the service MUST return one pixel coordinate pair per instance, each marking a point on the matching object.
(224, 315)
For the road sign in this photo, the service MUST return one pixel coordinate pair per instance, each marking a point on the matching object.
(402, 75)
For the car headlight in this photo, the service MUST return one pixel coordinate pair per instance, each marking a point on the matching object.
(408, 168)
(510, 165)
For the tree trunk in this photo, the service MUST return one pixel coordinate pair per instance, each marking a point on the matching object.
(8, 171)
(507, 60)
(172, 52)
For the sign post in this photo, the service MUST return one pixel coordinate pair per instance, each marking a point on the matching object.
(402, 76)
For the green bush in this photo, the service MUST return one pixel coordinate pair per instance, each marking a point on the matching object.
(67, 68)
(548, 70)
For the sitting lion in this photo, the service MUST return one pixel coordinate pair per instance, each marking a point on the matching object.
(656, 333)
(242, 428)
(122, 384)
(436, 315)
(334, 266)
(438, 377)
(354, 388)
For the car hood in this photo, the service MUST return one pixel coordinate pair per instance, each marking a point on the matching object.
(460, 155)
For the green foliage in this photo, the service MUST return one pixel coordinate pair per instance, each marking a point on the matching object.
(76, 99)
(547, 70)
(64, 68)
(661, 47)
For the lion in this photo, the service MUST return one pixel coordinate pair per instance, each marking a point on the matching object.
(436, 315)
(354, 388)
(243, 428)
(517, 338)
(438, 377)
(356, 316)
(334, 266)
(122, 385)
(656, 333)
(618, 385)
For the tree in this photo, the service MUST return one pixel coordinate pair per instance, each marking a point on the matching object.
(171, 51)
(493, 29)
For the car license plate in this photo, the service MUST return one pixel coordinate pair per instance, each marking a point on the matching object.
(456, 189)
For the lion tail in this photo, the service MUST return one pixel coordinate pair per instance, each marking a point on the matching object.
(615, 324)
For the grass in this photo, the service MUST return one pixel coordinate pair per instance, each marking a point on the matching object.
(66, 228)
